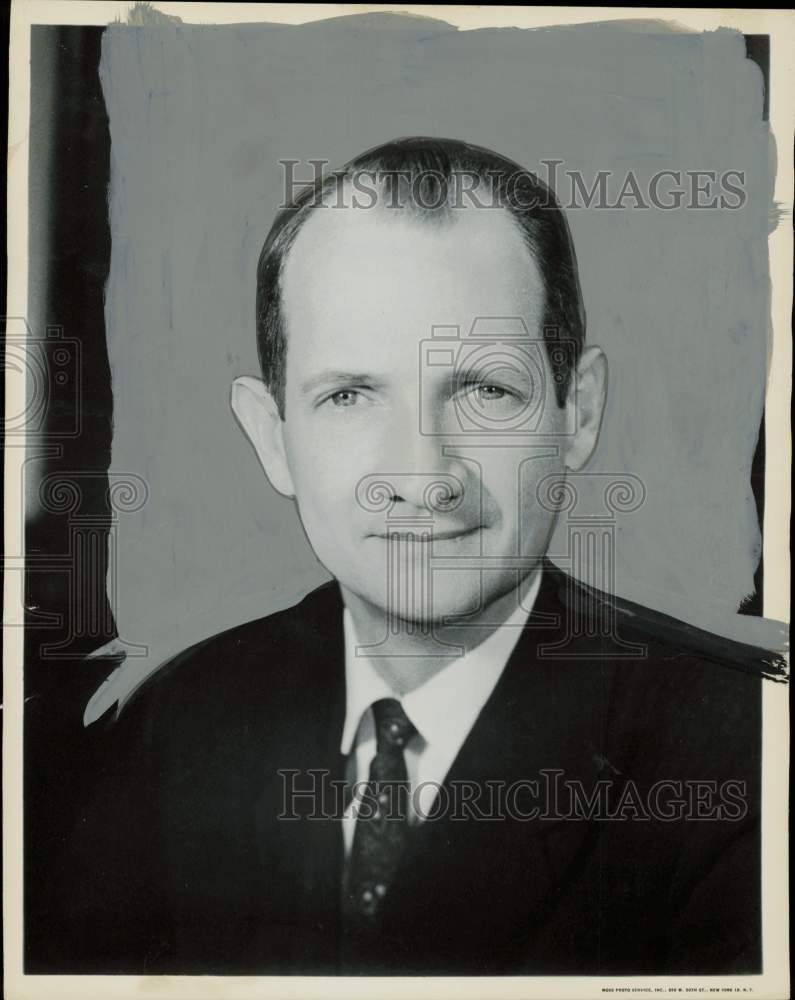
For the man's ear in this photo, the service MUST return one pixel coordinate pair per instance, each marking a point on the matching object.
(257, 413)
(585, 405)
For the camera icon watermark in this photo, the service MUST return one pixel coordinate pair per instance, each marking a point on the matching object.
(42, 371)
(502, 379)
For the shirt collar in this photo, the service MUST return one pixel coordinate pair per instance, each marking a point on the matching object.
(363, 684)
(444, 708)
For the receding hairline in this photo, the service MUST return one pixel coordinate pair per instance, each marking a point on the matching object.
(533, 209)
(323, 227)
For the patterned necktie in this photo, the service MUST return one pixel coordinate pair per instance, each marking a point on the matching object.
(382, 828)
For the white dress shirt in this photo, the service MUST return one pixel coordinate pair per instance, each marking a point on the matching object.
(443, 710)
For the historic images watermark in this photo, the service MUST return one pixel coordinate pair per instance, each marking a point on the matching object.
(548, 796)
(669, 189)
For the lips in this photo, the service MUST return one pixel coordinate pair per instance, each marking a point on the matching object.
(429, 534)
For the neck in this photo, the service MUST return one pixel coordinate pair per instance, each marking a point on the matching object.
(408, 653)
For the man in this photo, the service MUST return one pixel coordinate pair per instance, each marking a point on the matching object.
(453, 759)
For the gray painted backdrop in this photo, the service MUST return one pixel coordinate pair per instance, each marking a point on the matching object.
(200, 117)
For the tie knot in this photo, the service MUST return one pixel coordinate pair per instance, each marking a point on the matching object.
(392, 726)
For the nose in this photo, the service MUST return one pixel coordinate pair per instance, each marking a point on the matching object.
(424, 474)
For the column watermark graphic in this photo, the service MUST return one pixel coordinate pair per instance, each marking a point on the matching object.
(45, 376)
(496, 406)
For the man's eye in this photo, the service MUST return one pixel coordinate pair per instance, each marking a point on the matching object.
(490, 393)
(345, 397)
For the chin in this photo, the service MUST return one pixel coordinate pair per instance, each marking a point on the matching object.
(455, 594)
(465, 594)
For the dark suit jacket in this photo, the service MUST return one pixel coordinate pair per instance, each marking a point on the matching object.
(181, 865)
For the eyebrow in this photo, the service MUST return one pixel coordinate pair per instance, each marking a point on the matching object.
(331, 378)
(484, 370)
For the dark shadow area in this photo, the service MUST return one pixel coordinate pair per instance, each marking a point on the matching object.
(68, 446)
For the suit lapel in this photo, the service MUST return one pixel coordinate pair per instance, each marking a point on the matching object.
(304, 855)
(500, 876)
(485, 877)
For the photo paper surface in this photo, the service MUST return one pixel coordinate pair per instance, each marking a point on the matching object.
(397, 497)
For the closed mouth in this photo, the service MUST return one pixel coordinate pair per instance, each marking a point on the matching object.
(425, 535)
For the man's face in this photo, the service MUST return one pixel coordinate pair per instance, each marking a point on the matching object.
(371, 420)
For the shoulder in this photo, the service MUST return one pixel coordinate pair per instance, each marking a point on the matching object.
(295, 629)
(263, 661)
(613, 627)
(668, 637)
(671, 695)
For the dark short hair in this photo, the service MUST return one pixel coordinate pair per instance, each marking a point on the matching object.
(426, 177)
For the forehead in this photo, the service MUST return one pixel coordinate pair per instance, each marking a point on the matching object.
(393, 276)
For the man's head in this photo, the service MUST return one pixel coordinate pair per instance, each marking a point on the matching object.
(420, 329)
(431, 180)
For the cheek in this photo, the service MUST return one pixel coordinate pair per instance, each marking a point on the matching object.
(324, 469)
(542, 481)
(319, 483)
(517, 483)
